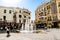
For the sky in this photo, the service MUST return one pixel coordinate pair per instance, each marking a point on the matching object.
(28, 4)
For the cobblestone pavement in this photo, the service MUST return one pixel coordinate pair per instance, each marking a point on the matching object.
(52, 34)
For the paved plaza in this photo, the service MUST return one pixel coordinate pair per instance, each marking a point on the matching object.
(52, 34)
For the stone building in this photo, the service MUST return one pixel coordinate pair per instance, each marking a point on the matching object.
(15, 15)
(48, 14)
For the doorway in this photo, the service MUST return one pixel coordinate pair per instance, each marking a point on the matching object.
(4, 18)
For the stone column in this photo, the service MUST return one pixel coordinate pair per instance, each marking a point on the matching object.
(26, 25)
(22, 26)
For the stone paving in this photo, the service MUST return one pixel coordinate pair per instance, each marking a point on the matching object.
(52, 34)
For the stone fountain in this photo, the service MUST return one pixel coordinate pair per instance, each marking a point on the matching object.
(26, 28)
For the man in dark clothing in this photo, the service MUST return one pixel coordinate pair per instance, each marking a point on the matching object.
(7, 29)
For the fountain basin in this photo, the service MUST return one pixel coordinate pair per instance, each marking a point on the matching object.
(26, 31)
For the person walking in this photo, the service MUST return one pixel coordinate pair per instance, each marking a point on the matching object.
(7, 29)
(8, 32)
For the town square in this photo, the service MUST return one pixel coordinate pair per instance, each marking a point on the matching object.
(30, 20)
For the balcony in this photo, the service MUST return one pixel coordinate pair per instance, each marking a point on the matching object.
(43, 16)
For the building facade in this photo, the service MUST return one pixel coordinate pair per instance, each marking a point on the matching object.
(16, 15)
(6, 14)
(48, 15)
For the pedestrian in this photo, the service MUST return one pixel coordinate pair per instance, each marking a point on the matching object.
(7, 29)
(11, 26)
